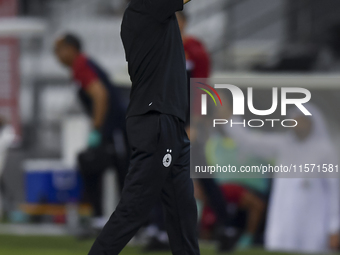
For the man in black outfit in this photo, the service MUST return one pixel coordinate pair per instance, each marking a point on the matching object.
(160, 159)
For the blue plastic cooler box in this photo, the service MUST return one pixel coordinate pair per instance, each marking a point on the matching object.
(51, 182)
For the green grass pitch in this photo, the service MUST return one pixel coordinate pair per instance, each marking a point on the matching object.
(35, 245)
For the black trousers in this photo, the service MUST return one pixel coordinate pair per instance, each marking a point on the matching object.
(93, 180)
(159, 168)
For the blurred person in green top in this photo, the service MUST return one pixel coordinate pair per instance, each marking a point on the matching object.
(246, 194)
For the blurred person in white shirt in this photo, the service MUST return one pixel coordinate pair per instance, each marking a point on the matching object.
(304, 213)
(7, 137)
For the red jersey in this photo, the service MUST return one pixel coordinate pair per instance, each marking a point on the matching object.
(198, 66)
(198, 61)
(83, 72)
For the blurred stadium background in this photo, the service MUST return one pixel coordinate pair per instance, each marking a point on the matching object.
(39, 184)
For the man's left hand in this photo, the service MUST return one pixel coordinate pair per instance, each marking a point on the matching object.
(94, 139)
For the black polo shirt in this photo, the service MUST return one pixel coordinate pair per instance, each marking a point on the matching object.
(156, 58)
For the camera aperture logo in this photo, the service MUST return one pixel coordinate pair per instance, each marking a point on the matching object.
(238, 108)
(204, 97)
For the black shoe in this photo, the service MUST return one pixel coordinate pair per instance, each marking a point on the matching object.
(154, 245)
(227, 241)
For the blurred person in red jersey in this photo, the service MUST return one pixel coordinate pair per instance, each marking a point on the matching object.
(198, 62)
(197, 56)
(198, 65)
(102, 101)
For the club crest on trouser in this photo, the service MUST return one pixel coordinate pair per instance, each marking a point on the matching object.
(167, 158)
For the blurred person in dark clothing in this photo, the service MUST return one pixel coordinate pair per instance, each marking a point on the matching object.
(102, 102)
